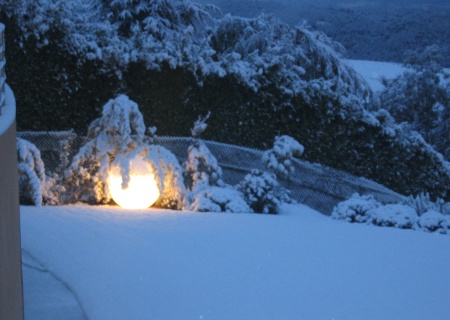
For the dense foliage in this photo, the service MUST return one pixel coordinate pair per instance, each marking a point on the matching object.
(259, 77)
(421, 97)
(418, 213)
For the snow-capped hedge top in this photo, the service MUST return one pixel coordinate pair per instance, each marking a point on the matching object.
(121, 118)
(259, 51)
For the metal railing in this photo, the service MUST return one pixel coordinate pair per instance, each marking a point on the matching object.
(2, 67)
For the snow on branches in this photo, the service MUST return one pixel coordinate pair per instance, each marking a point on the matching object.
(260, 51)
(34, 185)
(418, 213)
(31, 171)
(263, 193)
(113, 140)
(200, 126)
(279, 158)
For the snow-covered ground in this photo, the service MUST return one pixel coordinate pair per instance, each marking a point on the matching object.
(373, 71)
(157, 264)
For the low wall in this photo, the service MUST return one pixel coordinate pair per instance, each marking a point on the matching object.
(11, 296)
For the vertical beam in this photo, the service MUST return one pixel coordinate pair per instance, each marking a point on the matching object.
(11, 294)
(2, 67)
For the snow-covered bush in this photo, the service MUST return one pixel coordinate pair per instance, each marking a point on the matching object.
(279, 158)
(365, 209)
(203, 176)
(355, 209)
(114, 140)
(34, 186)
(174, 194)
(433, 221)
(394, 215)
(201, 168)
(31, 172)
(120, 129)
(263, 193)
(420, 96)
(219, 199)
(422, 203)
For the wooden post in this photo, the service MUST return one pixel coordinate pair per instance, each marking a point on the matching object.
(11, 292)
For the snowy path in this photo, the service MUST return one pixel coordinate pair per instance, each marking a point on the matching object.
(46, 297)
(155, 264)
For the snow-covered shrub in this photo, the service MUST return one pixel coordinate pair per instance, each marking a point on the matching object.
(114, 140)
(279, 158)
(420, 96)
(34, 186)
(174, 193)
(263, 193)
(433, 221)
(422, 203)
(394, 215)
(355, 209)
(31, 172)
(201, 168)
(219, 199)
(120, 129)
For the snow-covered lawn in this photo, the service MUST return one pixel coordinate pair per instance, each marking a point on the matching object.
(157, 264)
(374, 71)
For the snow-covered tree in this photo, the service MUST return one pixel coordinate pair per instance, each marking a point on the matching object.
(201, 168)
(31, 172)
(120, 129)
(203, 177)
(35, 187)
(263, 193)
(77, 22)
(421, 97)
(279, 158)
(115, 139)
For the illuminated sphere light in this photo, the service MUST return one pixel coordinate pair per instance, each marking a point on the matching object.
(142, 189)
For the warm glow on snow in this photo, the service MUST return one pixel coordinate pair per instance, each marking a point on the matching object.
(142, 189)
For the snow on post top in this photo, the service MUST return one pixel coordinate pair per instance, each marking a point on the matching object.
(2, 68)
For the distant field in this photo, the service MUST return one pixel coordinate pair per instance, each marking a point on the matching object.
(369, 30)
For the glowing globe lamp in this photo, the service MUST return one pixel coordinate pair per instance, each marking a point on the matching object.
(142, 190)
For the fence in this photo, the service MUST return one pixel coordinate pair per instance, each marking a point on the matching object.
(315, 185)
